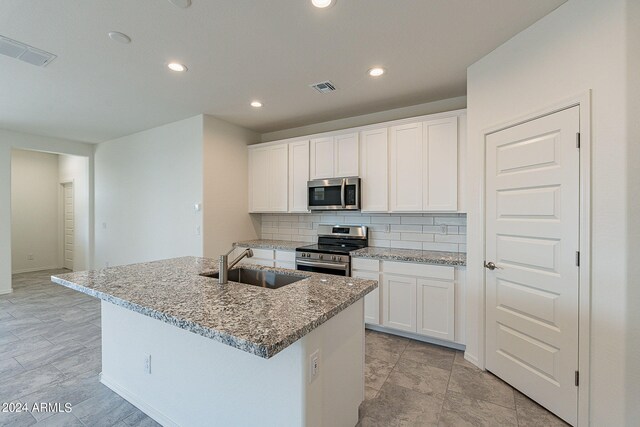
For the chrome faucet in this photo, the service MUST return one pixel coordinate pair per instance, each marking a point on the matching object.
(224, 266)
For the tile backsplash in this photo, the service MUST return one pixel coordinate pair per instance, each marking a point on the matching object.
(432, 231)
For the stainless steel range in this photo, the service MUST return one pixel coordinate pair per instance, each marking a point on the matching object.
(331, 254)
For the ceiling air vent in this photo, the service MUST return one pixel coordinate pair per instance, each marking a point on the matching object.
(23, 52)
(324, 87)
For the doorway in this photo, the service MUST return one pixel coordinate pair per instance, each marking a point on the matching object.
(532, 243)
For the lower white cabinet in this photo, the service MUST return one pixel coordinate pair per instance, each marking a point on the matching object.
(436, 309)
(399, 303)
(412, 297)
(372, 299)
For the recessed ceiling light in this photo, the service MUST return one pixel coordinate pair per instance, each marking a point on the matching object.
(322, 3)
(376, 72)
(256, 104)
(119, 37)
(175, 66)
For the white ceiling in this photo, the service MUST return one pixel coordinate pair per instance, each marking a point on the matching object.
(237, 51)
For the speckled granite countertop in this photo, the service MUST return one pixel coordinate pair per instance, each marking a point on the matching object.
(254, 319)
(410, 255)
(282, 245)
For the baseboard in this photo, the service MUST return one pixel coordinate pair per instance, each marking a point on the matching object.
(436, 341)
(31, 270)
(138, 402)
(472, 359)
(6, 291)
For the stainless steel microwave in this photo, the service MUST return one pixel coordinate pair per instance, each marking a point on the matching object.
(334, 194)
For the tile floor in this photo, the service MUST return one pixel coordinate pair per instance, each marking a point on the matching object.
(50, 352)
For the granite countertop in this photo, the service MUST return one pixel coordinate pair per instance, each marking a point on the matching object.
(282, 245)
(254, 319)
(411, 255)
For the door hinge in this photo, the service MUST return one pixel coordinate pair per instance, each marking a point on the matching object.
(577, 378)
(577, 258)
(578, 140)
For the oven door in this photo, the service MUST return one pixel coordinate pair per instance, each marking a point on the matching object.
(335, 268)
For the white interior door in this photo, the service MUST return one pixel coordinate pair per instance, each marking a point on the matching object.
(68, 225)
(532, 232)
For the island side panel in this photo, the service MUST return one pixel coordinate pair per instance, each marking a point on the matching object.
(335, 394)
(196, 381)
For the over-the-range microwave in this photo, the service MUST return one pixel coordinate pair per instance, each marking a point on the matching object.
(334, 194)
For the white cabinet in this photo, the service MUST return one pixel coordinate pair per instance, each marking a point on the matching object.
(440, 188)
(399, 303)
(436, 309)
(405, 167)
(413, 297)
(372, 299)
(374, 160)
(334, 156)
(298, 176)
(268, 178)
(423, 166)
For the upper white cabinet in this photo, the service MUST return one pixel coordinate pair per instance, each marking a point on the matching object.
(268, 178)
(440, 150)
(298, 176)
(374, 170)
(334, 156)
(405, 167)
(423, 166)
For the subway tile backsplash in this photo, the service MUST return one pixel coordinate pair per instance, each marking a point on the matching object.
(432, 231)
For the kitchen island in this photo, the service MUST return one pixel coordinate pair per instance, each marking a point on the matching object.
(189, 351)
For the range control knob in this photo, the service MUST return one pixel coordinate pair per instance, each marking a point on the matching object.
(334, 258)
(321, 256)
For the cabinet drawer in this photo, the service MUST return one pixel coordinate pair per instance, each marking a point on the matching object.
(420, 270)
(286, 256)
(365, 264)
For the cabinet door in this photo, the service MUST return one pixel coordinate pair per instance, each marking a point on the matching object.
(372, 299)
(399, 302)
(374, 161)
(440, 191)
(278, 173)
(346, 161)
(436, 309)
(259, 179)
(298, 176)
(405, 168)
(322, 158)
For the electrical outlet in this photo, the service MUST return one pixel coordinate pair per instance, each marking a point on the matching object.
(198, 230)
(147, 364)
(30, 257)
(314, 365)
(104, 225)
(443, 229)
(106, 264)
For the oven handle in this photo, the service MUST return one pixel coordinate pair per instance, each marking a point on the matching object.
(343, 188)
(323, 264)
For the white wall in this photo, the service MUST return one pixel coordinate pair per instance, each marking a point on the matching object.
(633, 254)
(8, 141)
(580, 46)
(368, 119)
(34, 211)
(76, 169)
(146, 185)
(225, 176)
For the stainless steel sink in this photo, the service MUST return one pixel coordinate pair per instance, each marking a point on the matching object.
(262, 278)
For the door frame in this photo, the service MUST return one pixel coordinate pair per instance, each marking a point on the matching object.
(476, 272)
(61, 184)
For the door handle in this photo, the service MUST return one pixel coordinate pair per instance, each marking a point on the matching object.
(490, 265)
(342, 192)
